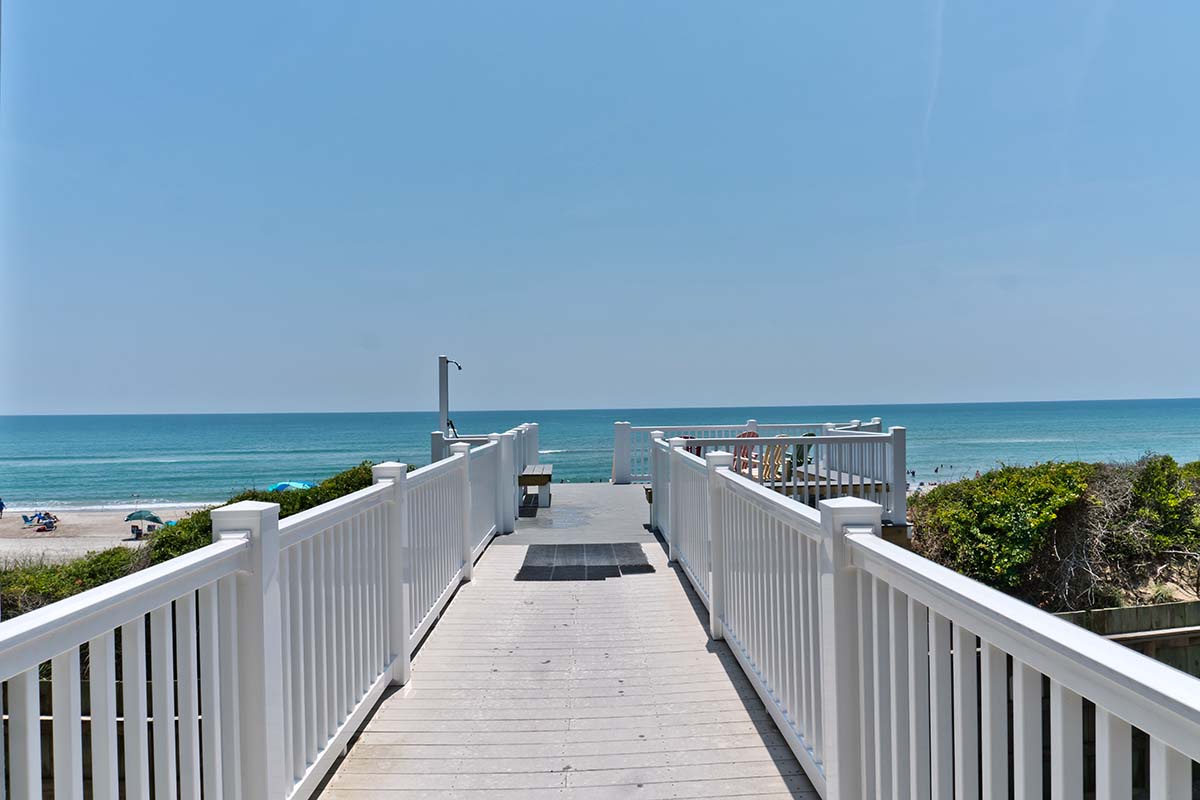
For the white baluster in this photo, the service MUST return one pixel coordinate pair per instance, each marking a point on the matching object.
(68, 735)
(1066, 743)
(103, 694)
(1170, 773)
(1114, 764)
(993, 693)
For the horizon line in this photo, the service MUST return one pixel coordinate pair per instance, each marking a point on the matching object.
(609, 408)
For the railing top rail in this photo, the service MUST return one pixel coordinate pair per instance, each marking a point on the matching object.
(750, 441)
(692, 460)
(850, 432)
(785, 509)
(667, 428)
(431, 471)
(306, 524)
(1146, 693)
(43, 633)
(483, 450)
(768, 426)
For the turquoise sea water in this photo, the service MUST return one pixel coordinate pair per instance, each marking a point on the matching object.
(87, 461)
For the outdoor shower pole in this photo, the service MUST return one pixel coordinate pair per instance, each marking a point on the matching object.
(443, 394)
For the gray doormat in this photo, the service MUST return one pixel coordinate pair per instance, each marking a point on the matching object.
(582, 562)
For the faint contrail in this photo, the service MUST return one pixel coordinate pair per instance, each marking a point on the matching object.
(935, 75)
(935, 79)
(1095, 30)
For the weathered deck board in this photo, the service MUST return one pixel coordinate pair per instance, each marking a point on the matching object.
(572, 689)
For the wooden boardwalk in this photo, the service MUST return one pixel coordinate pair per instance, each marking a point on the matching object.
(572, 688)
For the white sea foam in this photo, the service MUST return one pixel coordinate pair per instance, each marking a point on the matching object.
(58, 505)
(1014, 441)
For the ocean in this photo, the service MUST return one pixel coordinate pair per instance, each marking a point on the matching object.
(119, 461)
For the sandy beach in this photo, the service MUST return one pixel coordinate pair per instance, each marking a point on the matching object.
(78, 532)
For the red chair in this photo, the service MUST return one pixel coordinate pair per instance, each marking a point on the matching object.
(742, 454)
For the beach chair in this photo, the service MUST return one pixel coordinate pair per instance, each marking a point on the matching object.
(136, 530)
(29, 521)
(770, 468)
(150, 528)
(742, 455)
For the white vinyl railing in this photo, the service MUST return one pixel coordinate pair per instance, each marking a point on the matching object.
(841, 463)
(892, 677)
(180, 621)
(247, 666)
(486, 481)
(436, 510)
(336, 646)
(439, 444)
(767, 607)
(689, 490)
(937, 651)
(631, 443)
(525, 443)
(520, 445)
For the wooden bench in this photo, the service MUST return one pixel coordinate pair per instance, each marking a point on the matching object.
(538, 475)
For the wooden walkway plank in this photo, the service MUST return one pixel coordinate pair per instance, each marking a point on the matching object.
(584, 689)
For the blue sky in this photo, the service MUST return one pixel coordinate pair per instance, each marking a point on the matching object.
(295, 206)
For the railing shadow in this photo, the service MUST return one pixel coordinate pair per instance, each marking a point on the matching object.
(789, 769)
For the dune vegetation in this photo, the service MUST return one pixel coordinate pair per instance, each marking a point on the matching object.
(1070, 535)
(35, 583)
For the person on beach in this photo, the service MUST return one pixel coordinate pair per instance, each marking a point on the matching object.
(1, 508)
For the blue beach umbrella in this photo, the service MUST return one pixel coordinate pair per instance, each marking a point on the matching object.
(284, 486)
(148, 516)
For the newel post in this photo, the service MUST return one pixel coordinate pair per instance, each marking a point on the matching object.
(841, 672)
(437, 446)
(673, 456)
(752, 425)
(468, 552)
(520, 440)
(657, 492)
(899, 510)
(509, 488)
(399, 568)
(622, 469)
(716, 540)
(534, 442)
(258, 652)
(501, 505)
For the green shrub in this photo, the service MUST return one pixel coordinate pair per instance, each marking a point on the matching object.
(1069, 536)
(991, 528)
(1161, 593)
(1165, 500)
(26, 586)
(195, 530)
